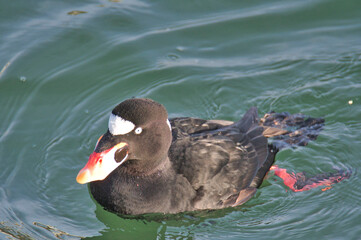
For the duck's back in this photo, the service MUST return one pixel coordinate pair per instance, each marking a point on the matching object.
(218, 158)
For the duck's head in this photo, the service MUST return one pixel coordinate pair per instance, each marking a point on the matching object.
(138, 138)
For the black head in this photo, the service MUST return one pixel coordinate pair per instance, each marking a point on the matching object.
(138, 139)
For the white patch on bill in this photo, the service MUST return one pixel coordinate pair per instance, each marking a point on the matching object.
(170, 127)
(119, 126)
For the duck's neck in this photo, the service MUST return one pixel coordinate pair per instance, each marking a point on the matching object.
(146, 167)
(130, 191)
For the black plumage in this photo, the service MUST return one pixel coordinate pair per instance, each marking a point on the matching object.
(197, 164)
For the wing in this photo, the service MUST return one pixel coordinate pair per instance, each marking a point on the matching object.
(187, 125)
(218, 160)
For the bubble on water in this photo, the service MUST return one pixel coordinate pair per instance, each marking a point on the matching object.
(173, 57)
(180, 48)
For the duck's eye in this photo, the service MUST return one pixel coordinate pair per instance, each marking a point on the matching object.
(138, 130)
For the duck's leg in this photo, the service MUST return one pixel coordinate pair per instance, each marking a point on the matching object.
(299, 182)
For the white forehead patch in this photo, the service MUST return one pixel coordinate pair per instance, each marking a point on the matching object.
(170, 127)
(119, 126)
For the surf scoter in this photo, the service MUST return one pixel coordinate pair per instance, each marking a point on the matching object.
(146, 163)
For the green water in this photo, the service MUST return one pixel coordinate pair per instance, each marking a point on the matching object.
(63, 71)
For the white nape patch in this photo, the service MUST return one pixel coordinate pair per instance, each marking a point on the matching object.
(119, 126)
(170, 127)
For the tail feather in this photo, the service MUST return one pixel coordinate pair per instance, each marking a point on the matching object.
(249, 118)
(249, 124)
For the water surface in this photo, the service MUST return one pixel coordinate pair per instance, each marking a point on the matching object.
(64, 65)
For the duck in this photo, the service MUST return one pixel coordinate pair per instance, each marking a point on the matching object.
(148, 163)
